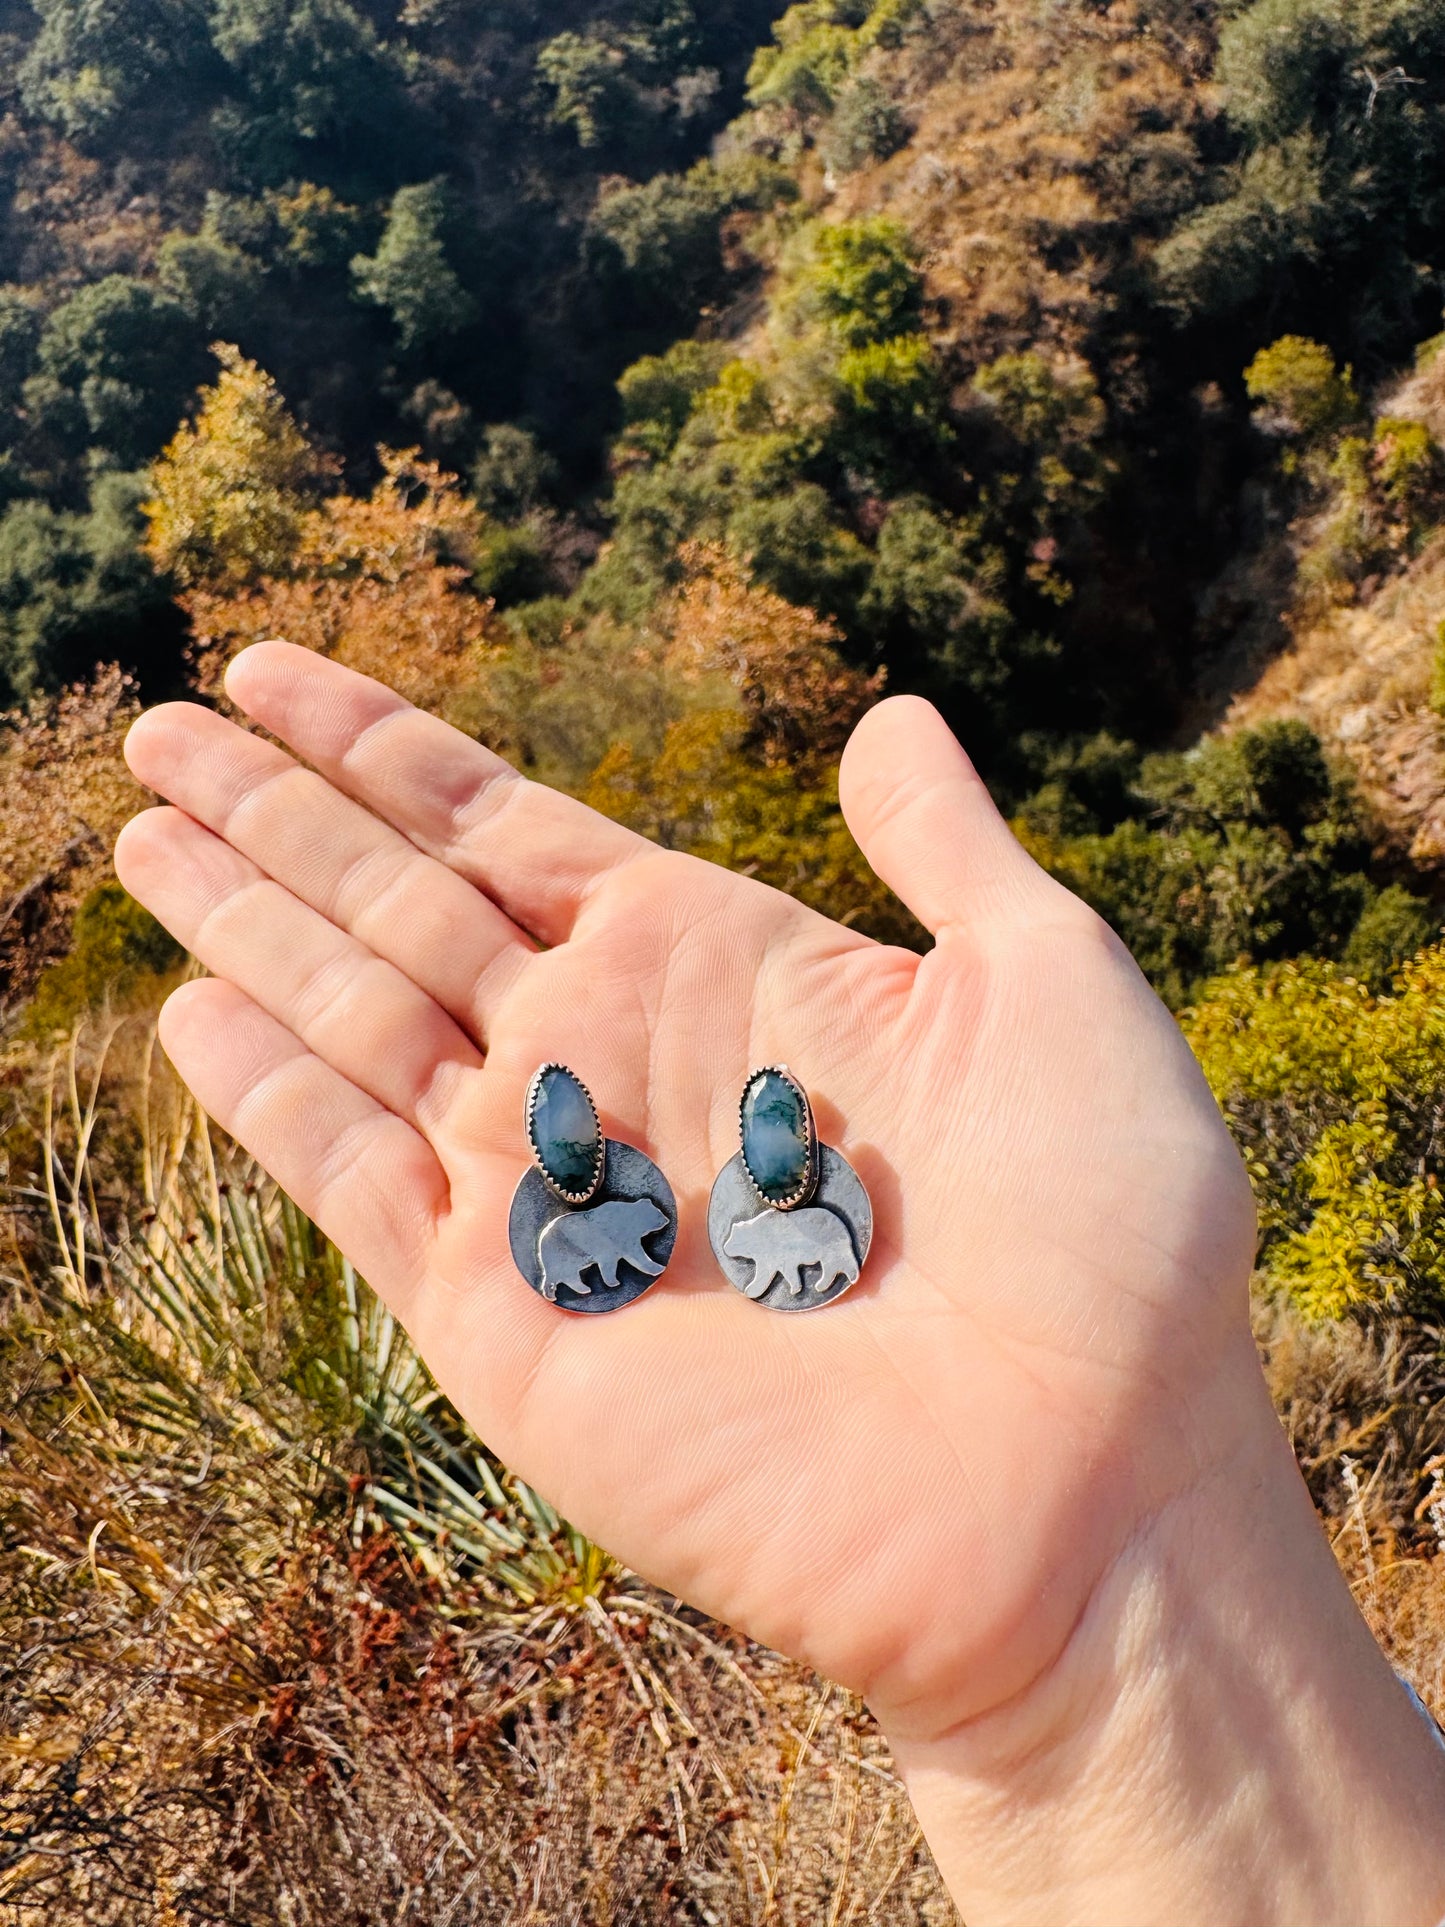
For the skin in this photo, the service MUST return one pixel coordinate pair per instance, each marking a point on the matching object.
(991, 1488)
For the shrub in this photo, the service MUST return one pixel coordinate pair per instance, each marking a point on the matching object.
(64, 793)
(860, 279)
(1395, 926)
(115, 947)
(1406, 461)
(1247, 849)
(1297, 380)
(659, 394)
(866, 125)
(1337, 1097)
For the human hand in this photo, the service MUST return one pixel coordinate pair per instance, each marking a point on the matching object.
(926, 1491)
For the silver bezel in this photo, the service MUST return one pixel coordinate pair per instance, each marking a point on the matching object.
(810, 1175)
(533, 1092)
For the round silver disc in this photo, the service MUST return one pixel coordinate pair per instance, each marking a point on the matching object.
(603, 1255)
(792, 1260)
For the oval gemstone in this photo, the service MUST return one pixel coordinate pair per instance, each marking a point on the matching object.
(565, 1133)
(776, 1137)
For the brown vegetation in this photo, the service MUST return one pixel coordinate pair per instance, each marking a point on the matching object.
(64, 793)
(257, 1661)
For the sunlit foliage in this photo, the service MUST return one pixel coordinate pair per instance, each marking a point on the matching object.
(64, 793)
(229, 494)
(1337, 1095)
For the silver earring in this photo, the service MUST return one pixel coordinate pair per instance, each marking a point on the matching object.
(790, 1219)
(594, 1222)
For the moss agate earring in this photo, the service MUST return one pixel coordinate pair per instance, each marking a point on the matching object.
(594, 1222)
(790, 1220)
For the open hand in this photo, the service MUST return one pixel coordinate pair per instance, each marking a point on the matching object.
(918, 1490)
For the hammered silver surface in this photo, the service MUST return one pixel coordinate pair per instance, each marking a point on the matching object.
(547, 1236)
(798, 1252)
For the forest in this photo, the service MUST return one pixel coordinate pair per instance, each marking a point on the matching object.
(647, 388)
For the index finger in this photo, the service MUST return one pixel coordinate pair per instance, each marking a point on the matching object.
(534, 852)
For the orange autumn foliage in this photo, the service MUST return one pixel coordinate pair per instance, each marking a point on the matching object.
(380, 583)
(801, 698)
(64, 793)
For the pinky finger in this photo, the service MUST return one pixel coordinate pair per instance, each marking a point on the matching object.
(370, 1181)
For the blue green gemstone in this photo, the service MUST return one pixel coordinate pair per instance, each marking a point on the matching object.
(565, 1132)
(776, 1146)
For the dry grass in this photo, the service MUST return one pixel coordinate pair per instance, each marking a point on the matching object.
(1048, 146)
(1365, 1412)
(279, 1644)
(64, 793)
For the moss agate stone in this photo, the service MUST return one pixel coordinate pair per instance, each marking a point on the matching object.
(777, 1139)
(565, 1133)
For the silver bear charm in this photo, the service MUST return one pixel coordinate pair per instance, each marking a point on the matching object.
(786, 1244)
(603, 1239)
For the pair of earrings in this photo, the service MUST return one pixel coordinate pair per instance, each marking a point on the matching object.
(594, 1222)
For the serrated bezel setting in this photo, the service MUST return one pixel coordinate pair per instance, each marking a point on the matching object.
(809, 1182)
(534, 1090)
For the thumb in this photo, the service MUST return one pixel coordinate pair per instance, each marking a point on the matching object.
(923, 818)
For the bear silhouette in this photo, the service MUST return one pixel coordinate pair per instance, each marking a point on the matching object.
(786, 1244)
(602, 1239)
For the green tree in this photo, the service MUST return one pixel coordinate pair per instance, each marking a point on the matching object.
(21, 321)
(123, 354)
(666, 234)
(586, 77)
(936, 602)
(814, 48)
(310, 74)
(1338, 114)
(215, 283)
(410, 275)
(895, 405)
(514, 473)
(93, 60)
(1247, 849)
(75, 589)
(660, 392)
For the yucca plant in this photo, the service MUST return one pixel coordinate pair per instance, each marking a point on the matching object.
(226, 1312)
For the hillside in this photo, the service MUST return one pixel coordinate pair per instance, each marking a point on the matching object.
(646, 386)
(1363, 665)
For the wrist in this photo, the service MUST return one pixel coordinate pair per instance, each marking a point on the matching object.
(1220, 1738)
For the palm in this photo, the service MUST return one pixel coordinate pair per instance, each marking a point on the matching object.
(890, 1489)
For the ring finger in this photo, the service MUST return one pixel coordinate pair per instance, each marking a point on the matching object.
(353, 1009)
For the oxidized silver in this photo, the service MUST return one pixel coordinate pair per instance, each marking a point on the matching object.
(605, 1255)
(799, 1259)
